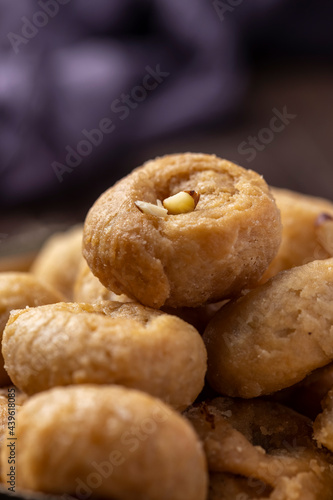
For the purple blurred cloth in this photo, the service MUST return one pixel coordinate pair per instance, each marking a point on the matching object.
(63, 79)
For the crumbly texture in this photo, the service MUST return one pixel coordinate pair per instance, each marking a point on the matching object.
(261, 449)
(58, 261)
(111, 342)
(275, 335)
(18, 290)
(323, 425)
(89, 289)
(122, 443)
(189, 259)
(300, 242)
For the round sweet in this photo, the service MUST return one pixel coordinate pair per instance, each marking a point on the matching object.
(18, 290)
(187, 259)
(58, 261)
(323, 425)
(105, 343)
(109, 442)
(301, 239)
(262, 449)
(275, 335)
(89, 289)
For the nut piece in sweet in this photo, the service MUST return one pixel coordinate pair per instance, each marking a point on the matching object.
(181, 203)
(151, 209)
(204, 256)
(324, 232)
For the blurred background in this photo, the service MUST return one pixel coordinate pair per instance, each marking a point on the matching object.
(90, 90)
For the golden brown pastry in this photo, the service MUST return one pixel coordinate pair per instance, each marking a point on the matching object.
(18, 290)
(275, 335)
(188, 259)
(58, 261)
(125, 344)
(261, 449)
(302, 237)
(107, 442)
(89, 289)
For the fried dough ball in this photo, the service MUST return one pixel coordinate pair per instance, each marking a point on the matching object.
(58, 261)
(262, 449)
(89, 289)
(275, 335)
(188, 259)
(323, 425)
(18, 290)
(302, 238)
(105, 343)
(107, 442)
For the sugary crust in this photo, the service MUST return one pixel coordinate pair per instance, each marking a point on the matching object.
(275, 335)
(89, 289)
(300, 243)
(18, 290)
(58, 261)
(125, 344)
(206, 255)
(262, 449)
(115, 442)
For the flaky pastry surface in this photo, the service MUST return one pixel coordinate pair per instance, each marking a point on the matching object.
(275, 335)
(188, 259)
(109, 342)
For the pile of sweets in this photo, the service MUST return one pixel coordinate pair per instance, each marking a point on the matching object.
(177, 347)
